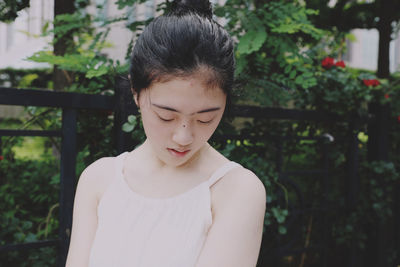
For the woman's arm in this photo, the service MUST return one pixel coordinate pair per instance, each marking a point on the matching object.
(234, 238)
(84, 222)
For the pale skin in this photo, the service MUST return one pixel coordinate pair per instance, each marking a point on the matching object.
(179, 114)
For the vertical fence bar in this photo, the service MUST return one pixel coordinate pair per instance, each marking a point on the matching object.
(279, 167)
(279, 153)
(378, 132)
(352, 166)
(396, 212)
(120, 115)
(67, 180)
(123, 108)
(325, 186)
(353, 185)
(378, 150)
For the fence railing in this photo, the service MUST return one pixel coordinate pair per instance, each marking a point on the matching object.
(69, 103)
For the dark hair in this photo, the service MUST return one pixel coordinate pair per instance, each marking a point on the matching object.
(182, 42)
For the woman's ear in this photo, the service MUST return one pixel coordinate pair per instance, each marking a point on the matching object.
(135, 97)
(134, 93)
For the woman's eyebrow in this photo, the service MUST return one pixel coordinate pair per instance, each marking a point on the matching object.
(174, 110)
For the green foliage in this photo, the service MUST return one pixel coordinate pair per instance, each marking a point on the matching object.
(269, 60)
(339, 90)
(375, 204)
(251, 41)
(31, 78)
(128, 3)
(394, 95)
(130, 125)
(346, 14)
(9, 9)
(29, 202)
(394, 136)
(29, 196)
(96, 135)
(87, 68)
(249, 154)
(381, 173)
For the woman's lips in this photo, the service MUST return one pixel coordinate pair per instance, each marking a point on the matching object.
(178, 153)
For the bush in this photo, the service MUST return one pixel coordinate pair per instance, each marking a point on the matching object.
(29, 204)
(30, 78)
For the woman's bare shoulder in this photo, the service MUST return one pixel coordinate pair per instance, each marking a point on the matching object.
(98, 175)
(239, 183)
(236, 178)
(245, 177)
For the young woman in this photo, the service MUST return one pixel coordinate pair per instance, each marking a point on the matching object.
(174, 201)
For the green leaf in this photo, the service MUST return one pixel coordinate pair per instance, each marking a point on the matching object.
(282, 229)
(251, 41)
(292, 74)
(97, 73)
(299, 80)
(126, 127)
(132, 119)
(241, 64)
(30, 237)
(288, 68)
(280, 219)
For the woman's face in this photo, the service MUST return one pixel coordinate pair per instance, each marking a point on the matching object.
(179, 116)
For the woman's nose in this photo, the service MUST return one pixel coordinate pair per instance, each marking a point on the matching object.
(183, 136)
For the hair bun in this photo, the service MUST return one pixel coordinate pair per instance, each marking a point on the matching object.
(200, 7)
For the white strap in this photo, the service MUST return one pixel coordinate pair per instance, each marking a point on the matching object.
(119, 164)
(220, 172)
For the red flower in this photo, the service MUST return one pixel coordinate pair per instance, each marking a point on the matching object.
(371, 82)
(367, 82)
(328, 62)
(398, 119)
(1, 157)
(387, 96)
(340, 64)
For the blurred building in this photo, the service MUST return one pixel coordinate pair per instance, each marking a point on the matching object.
(363, 52)
(119, 36)
(20, 39)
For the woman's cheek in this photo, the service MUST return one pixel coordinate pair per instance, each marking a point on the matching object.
(207, 132)
(150, 125)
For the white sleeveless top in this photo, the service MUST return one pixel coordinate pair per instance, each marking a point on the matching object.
(138, 231)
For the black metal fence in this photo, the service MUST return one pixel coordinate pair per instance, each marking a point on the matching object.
(69, 103)
(122, 105)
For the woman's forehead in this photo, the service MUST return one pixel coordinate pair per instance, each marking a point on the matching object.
(185, 87)
(201, 74)
(185, 96)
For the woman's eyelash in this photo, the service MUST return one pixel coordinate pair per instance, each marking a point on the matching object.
(165, 119)
(204, 122)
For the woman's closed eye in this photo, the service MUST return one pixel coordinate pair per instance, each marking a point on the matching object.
(205, 118)
(205, 122)
(165, 119)
(200, 121)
